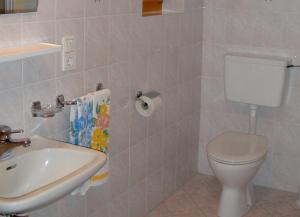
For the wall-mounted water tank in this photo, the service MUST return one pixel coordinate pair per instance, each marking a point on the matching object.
(255, 79)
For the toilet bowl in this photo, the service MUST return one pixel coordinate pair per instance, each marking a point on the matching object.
(235, 159)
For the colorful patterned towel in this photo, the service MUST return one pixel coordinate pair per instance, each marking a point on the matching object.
(89, 121)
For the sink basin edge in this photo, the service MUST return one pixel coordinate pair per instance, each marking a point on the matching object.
(61, 187)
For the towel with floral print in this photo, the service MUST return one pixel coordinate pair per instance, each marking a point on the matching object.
(89, 121)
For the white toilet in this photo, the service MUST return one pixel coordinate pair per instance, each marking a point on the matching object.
(257, 80)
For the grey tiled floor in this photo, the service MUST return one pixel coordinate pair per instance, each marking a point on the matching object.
(200, 198)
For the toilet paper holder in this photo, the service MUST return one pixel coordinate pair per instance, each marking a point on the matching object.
(139, 94)
(150, 94)
(147, 103)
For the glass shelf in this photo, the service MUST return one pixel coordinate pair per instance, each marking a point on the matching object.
(26, 51)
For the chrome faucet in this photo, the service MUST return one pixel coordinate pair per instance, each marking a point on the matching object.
(7, 143)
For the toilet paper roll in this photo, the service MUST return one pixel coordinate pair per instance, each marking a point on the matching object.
(147, 104)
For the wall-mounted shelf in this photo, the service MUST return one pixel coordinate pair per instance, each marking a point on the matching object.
(26, 51)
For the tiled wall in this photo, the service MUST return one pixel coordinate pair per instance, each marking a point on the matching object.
(272, 26)
(116, 46)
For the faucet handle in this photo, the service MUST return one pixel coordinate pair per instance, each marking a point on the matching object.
(6, 131)
(16, 131)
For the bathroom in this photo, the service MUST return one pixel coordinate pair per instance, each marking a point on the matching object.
(158, 165)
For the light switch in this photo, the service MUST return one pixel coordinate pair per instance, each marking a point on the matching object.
(68, 53)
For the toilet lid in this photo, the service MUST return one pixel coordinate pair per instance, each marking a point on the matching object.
(237, 148)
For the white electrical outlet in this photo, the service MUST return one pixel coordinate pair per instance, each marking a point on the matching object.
(68, 43)
(68, 53)
(69, 61)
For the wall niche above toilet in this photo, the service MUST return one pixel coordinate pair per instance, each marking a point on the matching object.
(162, 7)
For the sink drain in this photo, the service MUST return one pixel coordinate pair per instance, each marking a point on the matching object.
(11, 167)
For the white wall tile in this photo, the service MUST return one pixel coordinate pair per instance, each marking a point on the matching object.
(119, 82)
(96, 42)
(10, 35)
(70, 86)
(12, 113)
(117, 7)
(96, 8)
(119, 205)
(154, 189)
(119, 140)
(38, 32)
(11, 75)
(154, 153)
(120, 30)
(138, 162)
(46, 12)
(69, 9)
(37, 69)
(44, 91)
(95, 76)
(72, 206)
(137, 200)
(98, 201)
(119, 173)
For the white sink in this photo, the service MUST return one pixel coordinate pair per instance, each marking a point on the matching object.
(44, 173)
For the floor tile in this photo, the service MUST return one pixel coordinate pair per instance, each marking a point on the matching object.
(200, 198)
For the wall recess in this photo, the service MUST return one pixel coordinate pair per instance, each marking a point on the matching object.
(162, 7)
(152, 7)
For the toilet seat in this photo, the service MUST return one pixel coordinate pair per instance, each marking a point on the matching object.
(237, 148)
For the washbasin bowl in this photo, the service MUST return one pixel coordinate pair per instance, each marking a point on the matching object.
(43, 173)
